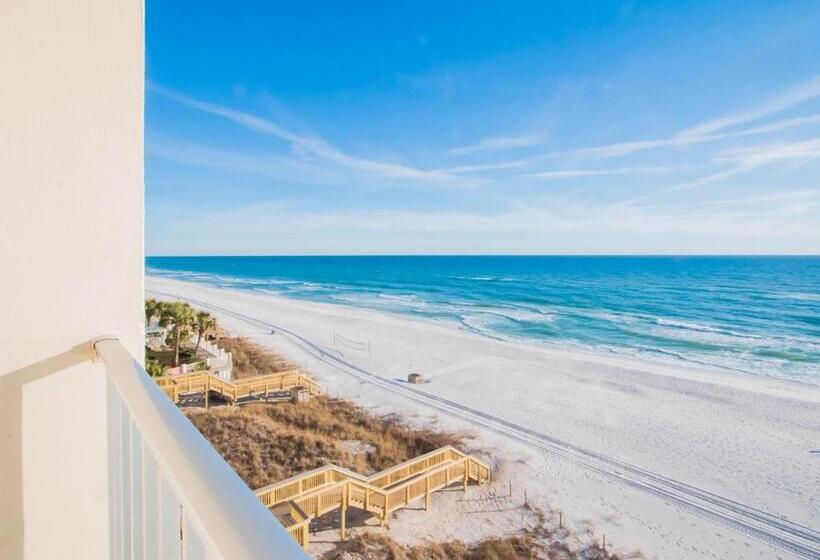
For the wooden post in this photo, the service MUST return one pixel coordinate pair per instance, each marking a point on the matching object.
(343, 513)
(366, 498)
(207, 387)
(407, 494)
(427, 493)
(305, 535)
(466, 472)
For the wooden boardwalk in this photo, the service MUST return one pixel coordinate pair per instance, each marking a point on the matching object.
(297, 500)
(261, 386)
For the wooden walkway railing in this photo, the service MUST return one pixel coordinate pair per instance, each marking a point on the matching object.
(260, 386)
(297, 500)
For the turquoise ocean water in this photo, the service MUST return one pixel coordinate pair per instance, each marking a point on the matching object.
(748, 315)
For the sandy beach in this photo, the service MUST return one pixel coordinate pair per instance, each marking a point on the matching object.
(677, 463)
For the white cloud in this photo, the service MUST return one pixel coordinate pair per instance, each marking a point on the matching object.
(786, 225)
(486, 166)
(756, 156)
(786, 99)
(500, 143)
(715, 129)
(301, 143)
(274, 166)
(569, 173)
(777, 126)
(743, 160)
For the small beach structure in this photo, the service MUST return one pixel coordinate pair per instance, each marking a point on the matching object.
(415, 378)
(155, 337)
(299, 394)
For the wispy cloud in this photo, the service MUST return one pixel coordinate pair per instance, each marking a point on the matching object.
(549, 227)
(716, 129)
(569, 173)
(259, 164)
(756, 156)
(744, 160)
(777, 126)
(784, 100)
(806, 198)
(314, 146)
(486, 166)
(501, 143)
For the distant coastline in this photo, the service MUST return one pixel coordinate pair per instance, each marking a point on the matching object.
(747, 315)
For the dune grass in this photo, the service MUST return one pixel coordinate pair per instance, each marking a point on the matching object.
(251, 359)
(376, 546)
(535, 543)
(265, 443)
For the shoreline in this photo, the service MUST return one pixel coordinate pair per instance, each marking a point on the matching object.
(701, 427)
(769, 384)
(670, 311)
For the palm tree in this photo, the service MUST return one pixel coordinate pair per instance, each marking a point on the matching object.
(164, 313)
(181, 315)
(152, 309)
(204, 323)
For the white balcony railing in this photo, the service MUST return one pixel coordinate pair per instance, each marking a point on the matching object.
(171, 495)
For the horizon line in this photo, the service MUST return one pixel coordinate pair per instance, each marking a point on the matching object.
(583, 255)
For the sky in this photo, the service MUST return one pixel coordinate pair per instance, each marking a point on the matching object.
(511, 127)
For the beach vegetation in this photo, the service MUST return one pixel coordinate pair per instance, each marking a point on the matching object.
(179, 318)
(265, 443)
(538, 542)
(153, 308)
(155, 368)
(204, 324)
(250, 359)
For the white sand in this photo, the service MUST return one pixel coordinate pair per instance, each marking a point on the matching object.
(743, 438)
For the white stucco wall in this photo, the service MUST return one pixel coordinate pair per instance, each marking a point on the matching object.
(71, 259)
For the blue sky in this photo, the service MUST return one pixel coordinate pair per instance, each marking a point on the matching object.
(482, 127)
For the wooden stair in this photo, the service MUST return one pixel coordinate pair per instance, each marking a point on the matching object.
(235, 392)
(317, 492)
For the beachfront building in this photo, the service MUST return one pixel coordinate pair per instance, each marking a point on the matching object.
(96, 461)
(155, 337)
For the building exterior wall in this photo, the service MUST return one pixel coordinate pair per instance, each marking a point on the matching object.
(71, 260)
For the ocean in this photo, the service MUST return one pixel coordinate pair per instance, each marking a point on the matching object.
(747, 315)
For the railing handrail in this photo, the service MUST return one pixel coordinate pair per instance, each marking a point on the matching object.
(295, 478)
(414, 460)
(207, 377)
(237, 524)
(367, 481)
(375, 489)
(201, 373)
